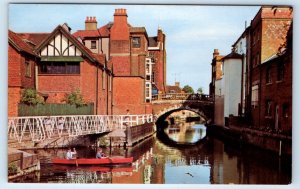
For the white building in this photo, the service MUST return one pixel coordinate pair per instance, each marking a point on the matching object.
(231, 83)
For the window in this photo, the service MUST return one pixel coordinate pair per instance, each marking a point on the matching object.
(59, 68)
(268, 75)
(268, 112)
(27, 68)
(254, 96)
(147, 90)
(285, 110)
(280, 71)
(136, 42)
(93, 45)
(153, 77)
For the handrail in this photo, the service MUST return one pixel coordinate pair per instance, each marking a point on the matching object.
(38, 128)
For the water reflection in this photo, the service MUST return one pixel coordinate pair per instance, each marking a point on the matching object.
(184, 132)
(210, 161)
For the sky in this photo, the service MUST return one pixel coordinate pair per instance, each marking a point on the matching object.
(192, 31)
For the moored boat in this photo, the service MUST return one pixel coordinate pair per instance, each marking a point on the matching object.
(93, 161)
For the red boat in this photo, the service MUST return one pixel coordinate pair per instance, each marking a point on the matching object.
(102, 161)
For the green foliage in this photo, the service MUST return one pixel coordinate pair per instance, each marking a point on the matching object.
(54, 109)
(12, 169)
(30, 97)
(188, 89)
(200, 90)
(75, 98)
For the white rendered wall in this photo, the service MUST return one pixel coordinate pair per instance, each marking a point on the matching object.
(232, 86)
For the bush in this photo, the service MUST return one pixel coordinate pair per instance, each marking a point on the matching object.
(12, 169)
(30, 97)
(75, 98)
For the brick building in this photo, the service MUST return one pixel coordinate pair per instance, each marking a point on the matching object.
(265, 48)
(21, 70)
(269, 30)
(62, 65)
(127, 50)
(157, 52)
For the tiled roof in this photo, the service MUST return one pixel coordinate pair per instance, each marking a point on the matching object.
(104, 30)
(176, 89)
(35, 38)
(19, 43)
(233, 55)
(86, 33)
(137, 29)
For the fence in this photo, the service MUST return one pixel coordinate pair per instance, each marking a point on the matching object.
(54, 109)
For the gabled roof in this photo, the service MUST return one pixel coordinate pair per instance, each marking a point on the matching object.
(19, 43)
(68, 35)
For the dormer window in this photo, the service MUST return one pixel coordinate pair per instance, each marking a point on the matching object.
(93, 45)
(136, 42)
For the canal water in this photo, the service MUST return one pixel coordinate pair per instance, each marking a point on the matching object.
(186, 156)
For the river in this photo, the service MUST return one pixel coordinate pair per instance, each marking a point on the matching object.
(197, 159)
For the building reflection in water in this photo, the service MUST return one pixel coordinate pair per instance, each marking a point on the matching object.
(210, 161)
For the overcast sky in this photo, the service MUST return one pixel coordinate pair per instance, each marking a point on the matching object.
(192, 32)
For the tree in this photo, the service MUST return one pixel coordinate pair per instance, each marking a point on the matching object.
(188, 89)
(31, 97)
(200, 90)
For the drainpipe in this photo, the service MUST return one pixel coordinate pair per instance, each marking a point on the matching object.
(36, 82)
(107, 89)
(97, 81)
(242, 86)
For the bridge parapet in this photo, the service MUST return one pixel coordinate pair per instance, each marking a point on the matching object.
(182, 96)
(39, 128)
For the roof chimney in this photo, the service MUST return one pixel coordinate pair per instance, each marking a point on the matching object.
(90, 23)
(216, 53)
(120, 28)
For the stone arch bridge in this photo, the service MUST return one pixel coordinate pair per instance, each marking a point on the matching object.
(166, 104)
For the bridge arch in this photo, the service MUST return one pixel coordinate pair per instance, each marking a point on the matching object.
(161, 116)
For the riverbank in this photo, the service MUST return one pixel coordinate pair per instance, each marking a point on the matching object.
(21, 163)
(276, 143)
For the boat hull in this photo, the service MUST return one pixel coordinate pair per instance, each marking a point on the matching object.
(84, 161)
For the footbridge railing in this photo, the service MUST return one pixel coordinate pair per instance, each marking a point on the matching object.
(39, 128)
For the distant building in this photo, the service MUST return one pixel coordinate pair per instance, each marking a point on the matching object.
(216, 88)
(174, 88)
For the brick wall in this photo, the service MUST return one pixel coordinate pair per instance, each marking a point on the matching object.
(129, 94)
(14, 68)
(14, 95)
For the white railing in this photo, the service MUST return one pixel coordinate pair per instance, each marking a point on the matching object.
(38, 128)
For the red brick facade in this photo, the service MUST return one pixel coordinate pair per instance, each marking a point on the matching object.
(125, 48)
(157, 51)
(269, 30)
(21, 71)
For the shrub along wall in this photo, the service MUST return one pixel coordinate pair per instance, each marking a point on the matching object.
(54, 109)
